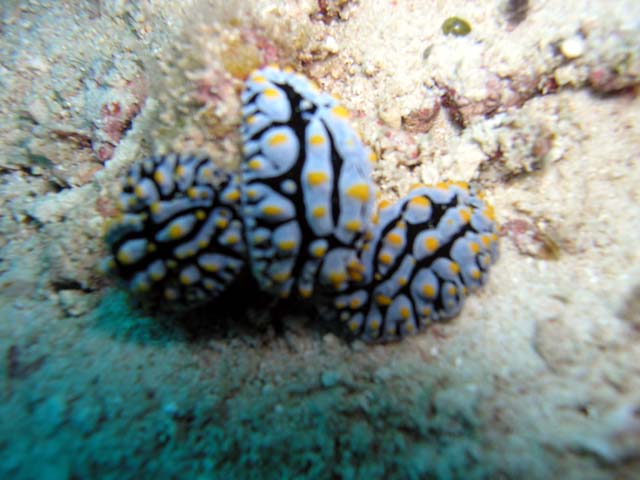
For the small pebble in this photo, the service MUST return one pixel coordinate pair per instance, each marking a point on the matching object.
(39, 111)
(171, 409)
(330, 340)
(391, 116)
(330, 379)
(572, 47)
(74, 302)
(368, 69)
(331, 45)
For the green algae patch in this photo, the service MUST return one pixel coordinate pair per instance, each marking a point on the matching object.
(456, 26)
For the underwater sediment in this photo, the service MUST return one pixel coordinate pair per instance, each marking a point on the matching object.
(536, 105)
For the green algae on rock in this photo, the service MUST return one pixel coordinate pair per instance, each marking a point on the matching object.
(456, 26)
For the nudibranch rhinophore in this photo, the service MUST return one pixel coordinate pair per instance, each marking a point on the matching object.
(300, 218)
(423, 257)
(179, 237)
(307, 193)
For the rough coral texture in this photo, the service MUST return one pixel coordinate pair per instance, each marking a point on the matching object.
(537, 378)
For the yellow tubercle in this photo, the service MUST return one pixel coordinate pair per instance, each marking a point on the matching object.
(305, 292)
(337, 278)
(271, 93)
(428, 290)
(319, 251)
(356, 276)
(394, 239)
(211, 267)
(340, 111)
(271, 210)
(318, 212)
(465, 215)
(287, 245)
(420, 201)
(359, 191)
(159, 176)
(232, 239)
(353, 225)
(277, 139)
(176, 231)
(443, 185)
(384, 204)
(316, 140)
(281, 277)
(233, 195)
(156, 276)
(431, 244)
(141, 287)
(123, 257)
(254, 164)
(317, 178)
(139, 191)
(355, 303)
(383, 300)
(385, 258)
(185, 279)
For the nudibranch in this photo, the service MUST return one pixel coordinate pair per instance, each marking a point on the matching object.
(179, 237)
(300, 218)
(424, 256)
(307, 193)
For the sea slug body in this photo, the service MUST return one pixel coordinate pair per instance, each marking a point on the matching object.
(300, 218)
(307, 193)
(179, 237)
(427, 252)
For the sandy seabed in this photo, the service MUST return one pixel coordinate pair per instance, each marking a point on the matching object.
(538, 377)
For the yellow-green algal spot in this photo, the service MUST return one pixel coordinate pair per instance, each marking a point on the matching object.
(456, 26)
